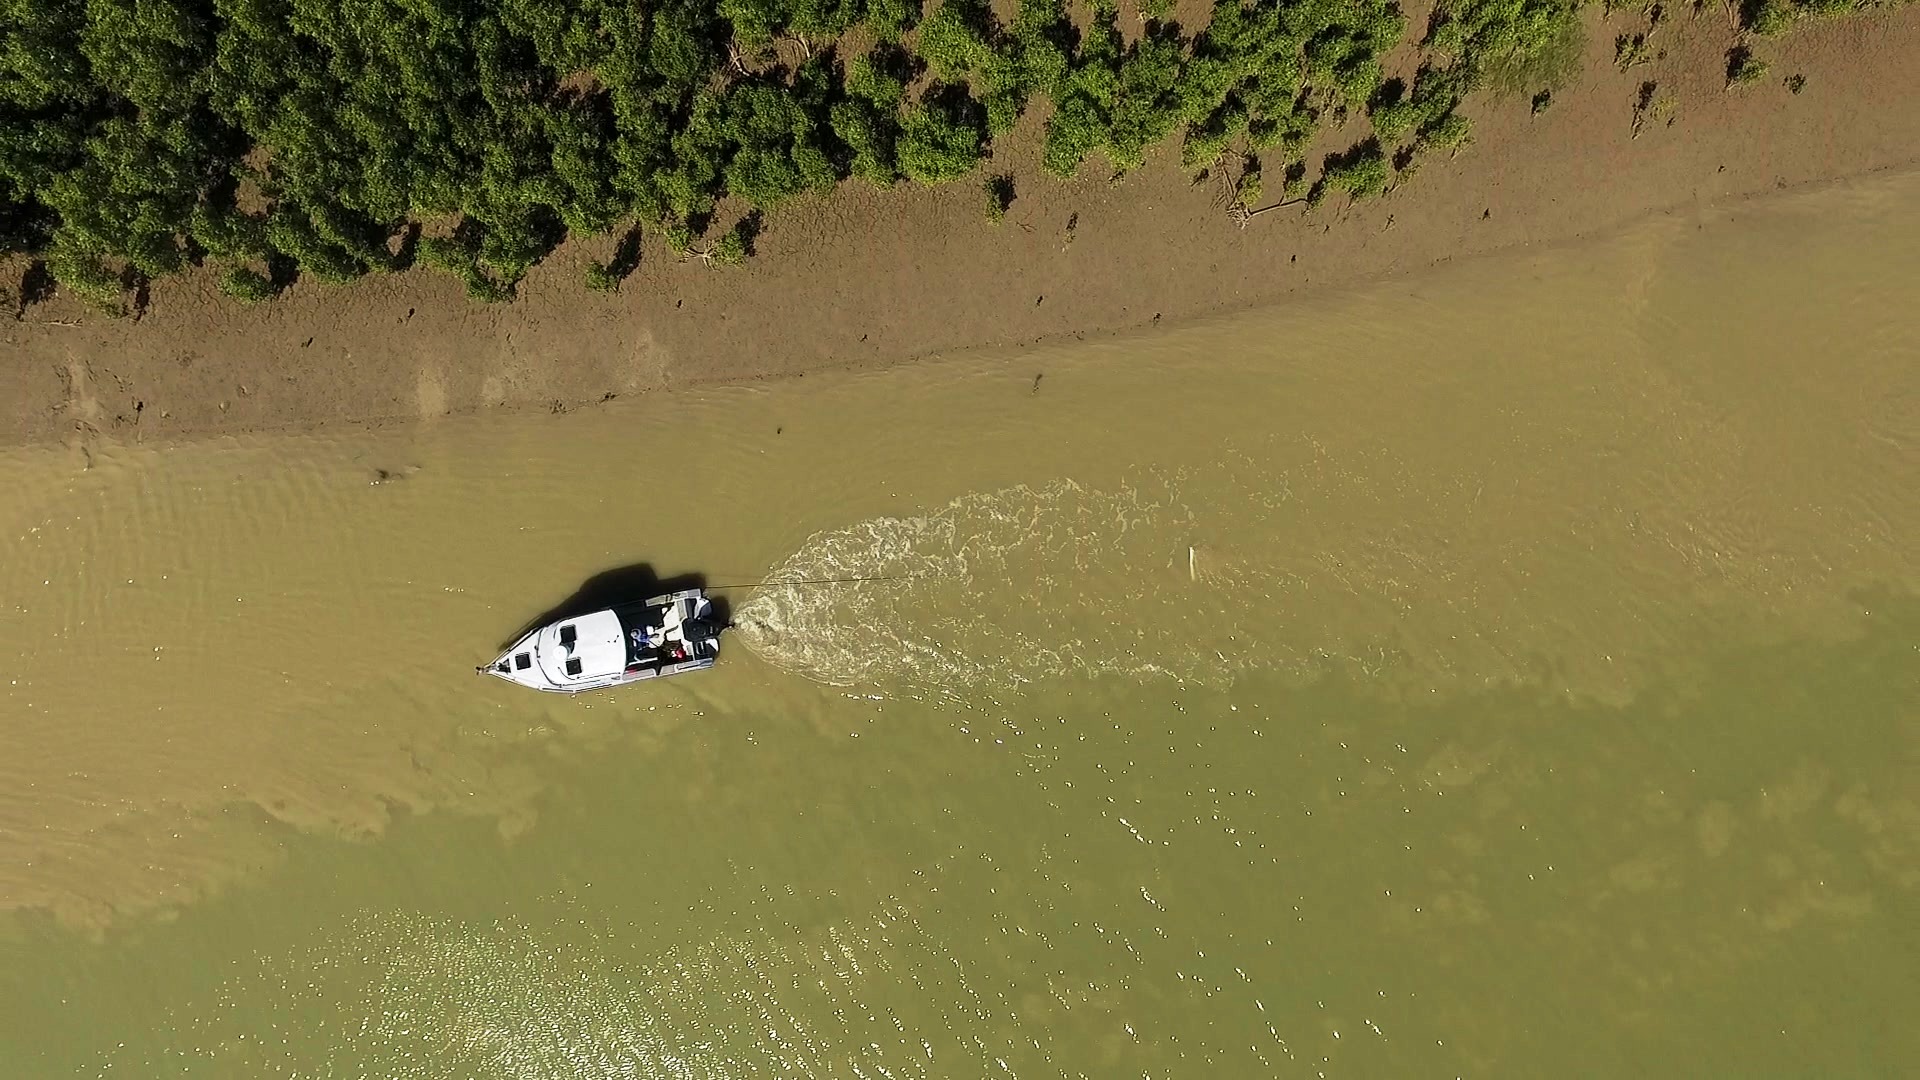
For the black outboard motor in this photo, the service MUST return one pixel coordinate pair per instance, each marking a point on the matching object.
(699, 629)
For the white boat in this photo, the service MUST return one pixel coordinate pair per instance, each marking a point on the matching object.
(667, 635)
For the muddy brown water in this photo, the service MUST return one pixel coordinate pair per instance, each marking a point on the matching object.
(1513, 670)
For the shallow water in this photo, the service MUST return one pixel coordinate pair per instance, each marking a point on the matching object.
(1514, 670)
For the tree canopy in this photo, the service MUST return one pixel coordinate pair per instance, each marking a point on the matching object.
(324, 137)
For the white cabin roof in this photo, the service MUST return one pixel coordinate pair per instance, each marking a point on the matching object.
(599, 644)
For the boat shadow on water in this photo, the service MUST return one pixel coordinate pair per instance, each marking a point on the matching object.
(623, 585)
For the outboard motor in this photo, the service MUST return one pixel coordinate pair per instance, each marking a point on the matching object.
(700, 629)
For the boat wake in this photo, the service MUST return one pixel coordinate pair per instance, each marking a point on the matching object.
(1002, 588)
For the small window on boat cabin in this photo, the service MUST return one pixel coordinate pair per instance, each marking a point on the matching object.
(573, 666)
(522, 661)
(567, 634)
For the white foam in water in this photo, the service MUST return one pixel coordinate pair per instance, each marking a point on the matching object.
(1001, 588)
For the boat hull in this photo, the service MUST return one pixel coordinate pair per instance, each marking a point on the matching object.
(661, 637)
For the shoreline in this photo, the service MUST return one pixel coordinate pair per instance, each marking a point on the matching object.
(864, 278)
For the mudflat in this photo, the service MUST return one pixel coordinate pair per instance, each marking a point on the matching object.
(867, 277)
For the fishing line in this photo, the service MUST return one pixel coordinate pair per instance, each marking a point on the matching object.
(803, 581)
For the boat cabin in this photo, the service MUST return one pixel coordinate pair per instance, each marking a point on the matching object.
(666, 635)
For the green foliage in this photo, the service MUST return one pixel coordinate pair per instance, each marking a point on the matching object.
(332, 244)
(1042, 41)
(999, 192)
(149, 52)
(733, 246)
(460, 256)
(1294, 184)
(41, 62)
(244, 283)
(138, 135)
(679, 236)
(1546, 51)
(1146, 100)
(81, 272)
(754, 21)
(873, 78)
(954, 38)
(940, 139)
(1361, 172)
(1451, 133)
(1273, 72)
(1073, 130)
(1436, 93)
(1084, 97)
(607, 276)
(601, 278)
(869, 135)
(775, 136)
(888, 19)
(1394, 120)
(1206, 141)
(1743, 67)
(131, 189)
(1510, 45)
(227, 232)
(1250, 187)
(867, 121)
(729, 250)
(1770, 17)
